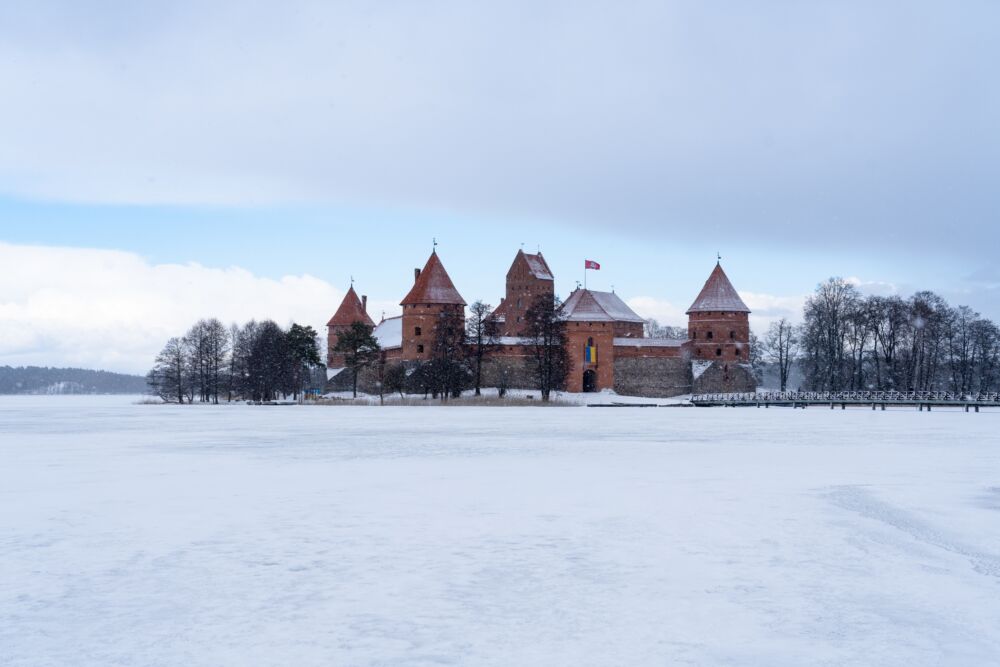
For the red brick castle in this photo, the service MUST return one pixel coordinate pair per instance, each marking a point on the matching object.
(605, 339)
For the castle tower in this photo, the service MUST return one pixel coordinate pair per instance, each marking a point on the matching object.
(351, 310)
(719, 322)
(432, 296)
(529, 276)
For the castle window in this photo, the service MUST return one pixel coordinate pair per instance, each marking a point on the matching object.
(736, 352)
(709, 335)
(718, 351)
(416, 331)
(732, 334)
(590, 342)
(420, 349)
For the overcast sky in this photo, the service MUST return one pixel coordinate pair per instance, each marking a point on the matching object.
(165, 161)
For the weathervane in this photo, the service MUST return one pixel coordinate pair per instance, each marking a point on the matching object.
(435, 242)
(718, 257)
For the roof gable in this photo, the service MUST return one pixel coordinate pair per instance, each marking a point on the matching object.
(350, 311)
(433, 285)
(718, 294)
(535, 265)
(585, 305)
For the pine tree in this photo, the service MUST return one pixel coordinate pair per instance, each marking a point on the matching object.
(303, 351)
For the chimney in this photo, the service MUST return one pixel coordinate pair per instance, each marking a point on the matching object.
(416, 274)
(364, 303)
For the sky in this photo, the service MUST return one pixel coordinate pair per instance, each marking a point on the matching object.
(161, 162)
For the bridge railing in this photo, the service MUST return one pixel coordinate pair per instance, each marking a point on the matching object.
(848, 397)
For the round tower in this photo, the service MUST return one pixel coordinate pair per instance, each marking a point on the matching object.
(719, 322)
(351, 310)
(432, 298)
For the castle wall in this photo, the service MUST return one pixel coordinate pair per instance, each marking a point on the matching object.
(714, 377)
(652, 376)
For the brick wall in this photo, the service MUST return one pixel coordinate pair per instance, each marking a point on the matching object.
(652, 376)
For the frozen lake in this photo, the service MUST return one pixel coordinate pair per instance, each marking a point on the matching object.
(153, 535)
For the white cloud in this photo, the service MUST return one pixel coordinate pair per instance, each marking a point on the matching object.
(873, 287)
(114, 310)
(767, 308)
(662, 311)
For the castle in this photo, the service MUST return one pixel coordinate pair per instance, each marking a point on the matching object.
(606, 345)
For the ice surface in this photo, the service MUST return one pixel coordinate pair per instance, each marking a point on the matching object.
(237, 535)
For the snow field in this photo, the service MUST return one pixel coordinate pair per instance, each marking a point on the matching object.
(233, 535)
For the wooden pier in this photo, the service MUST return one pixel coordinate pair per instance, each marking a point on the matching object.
(921, 400)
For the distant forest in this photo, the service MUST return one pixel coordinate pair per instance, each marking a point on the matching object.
(38, 380)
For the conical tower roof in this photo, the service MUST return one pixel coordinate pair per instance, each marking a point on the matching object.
(351, 310)
(433, 285)
(719, 295)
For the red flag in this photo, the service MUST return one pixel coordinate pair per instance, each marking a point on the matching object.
(591, 264)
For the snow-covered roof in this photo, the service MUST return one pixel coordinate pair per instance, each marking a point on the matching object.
(512, 340)
(589, 306)
(718, 294)
(389, 333)
(649, 342)
(433, 285)
(351, 310)
(538, 266)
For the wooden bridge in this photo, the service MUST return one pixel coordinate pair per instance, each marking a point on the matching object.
(876, 399)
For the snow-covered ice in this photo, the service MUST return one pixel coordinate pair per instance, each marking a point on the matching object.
(234, 535)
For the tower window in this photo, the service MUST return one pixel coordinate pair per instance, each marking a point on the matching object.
(732, 334)
(736, 352)
(416, 331)
(718, 351)
(420, 349)
(709, 336)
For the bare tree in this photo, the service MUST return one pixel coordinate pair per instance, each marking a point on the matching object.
(446, 369)
(168, 378)
(546, 331)
(481, 335)
(780, 348)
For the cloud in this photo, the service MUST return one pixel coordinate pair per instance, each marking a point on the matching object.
(873, 287)
(864, 124)
(662, 311)
(768, 308)
(113, 310)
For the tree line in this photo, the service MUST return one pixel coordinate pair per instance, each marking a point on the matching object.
(257, 361)
(260, 361)
(848, 341)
